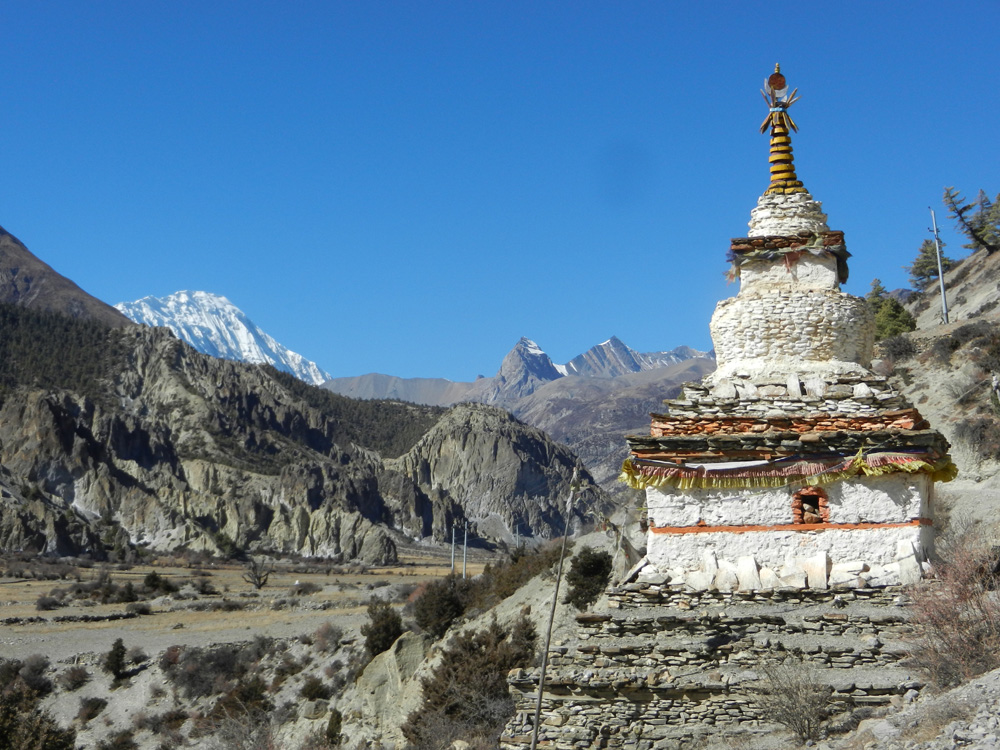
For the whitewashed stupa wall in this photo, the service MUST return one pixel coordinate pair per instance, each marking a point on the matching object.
(894, 498)
(783, 552)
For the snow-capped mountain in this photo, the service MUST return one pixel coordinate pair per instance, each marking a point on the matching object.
(614, 358)
(214, 325)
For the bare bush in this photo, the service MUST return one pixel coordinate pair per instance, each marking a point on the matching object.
(89, 708)
(958, 614)
(791, 695)
(257, 572)
(327, 637)
(73, 678)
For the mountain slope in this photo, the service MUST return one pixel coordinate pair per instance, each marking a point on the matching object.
(164, 447)
(213, 325)
(27, 281)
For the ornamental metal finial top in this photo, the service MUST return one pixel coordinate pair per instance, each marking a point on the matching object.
(781, 160)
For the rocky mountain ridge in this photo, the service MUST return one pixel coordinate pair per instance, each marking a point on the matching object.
(28, 282)
(171, 448)
(214, 325)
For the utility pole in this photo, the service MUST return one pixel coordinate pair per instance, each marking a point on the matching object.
(937, 244)
(465, 548)
(453, 549)
(573, 486)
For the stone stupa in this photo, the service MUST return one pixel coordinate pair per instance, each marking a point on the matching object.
(793, 464)
(790, 497)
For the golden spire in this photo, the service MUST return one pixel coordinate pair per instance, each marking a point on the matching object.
(775, 93)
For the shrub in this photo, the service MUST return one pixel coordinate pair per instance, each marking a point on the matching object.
(899, 348)
(257, 572)
(119, 741)
(439, 606)
(790, 695)
(90, 708)
(589, 573)
(47, 603)
(135, 655)
(333, 728)
(327, 637)
(23, 724)
(958, 615)
(114, 660)
(304, 589)
(32, 673)
(73, 678)
(384, 626)
(314, 689)
(457, 707)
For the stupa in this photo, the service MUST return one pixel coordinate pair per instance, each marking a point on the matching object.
(793, 464)
(789, 495)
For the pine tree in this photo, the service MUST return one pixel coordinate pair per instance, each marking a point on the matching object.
(891, 318)
(924, 269)
(979, 220)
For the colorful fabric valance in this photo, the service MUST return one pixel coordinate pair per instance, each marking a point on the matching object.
(640, 473)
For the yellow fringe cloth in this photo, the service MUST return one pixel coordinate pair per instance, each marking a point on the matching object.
(640, 474)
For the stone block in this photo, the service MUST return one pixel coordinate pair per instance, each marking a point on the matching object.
(709, 562)
(725, 390)
(883, 575)
(634, 571)
(795, 579)
(847, 574)
(699, 580)
(726, 579)
(794, 387)
(747, 573)
(817, 568)
(910, 571)
(769, 579)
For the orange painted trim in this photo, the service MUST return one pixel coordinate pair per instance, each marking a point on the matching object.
(701, 529)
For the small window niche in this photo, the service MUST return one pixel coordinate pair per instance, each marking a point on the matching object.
(810, 505)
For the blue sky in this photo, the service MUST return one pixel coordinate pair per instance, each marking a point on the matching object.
(410, 187)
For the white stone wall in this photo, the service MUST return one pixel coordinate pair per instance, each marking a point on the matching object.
(782, 215)
(894, 498)
(777, 331)
(807, 273)
(769, 558)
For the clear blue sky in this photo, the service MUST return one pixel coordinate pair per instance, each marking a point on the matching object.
(410, 187)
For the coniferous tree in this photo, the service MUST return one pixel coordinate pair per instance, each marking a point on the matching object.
(891, 318)
(924, 269)
(979, 220)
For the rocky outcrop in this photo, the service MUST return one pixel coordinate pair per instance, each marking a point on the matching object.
(178, 449)
(507, 476)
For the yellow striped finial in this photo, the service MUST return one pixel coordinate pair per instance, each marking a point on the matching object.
(781, 160)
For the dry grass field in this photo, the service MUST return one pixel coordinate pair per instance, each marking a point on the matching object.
(336, 594)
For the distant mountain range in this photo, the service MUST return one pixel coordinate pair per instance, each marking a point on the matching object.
(524, 370)
(215, 326)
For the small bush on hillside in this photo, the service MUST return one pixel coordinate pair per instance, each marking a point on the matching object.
(314, 689)
(981, 435)
(90, 708)
(589, 573)
(457, 707)
(327, 637)
(384, 626)
(333, 728)
(899, 348)
(198, 672)
(23, 724)
(73, 678)
(790, 695)
(959, 613)
(33, 673)
(122, 740)
(439, 605)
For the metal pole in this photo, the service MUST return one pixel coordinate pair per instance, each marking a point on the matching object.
(453, 549)
(937, 244)
(552, 615)
(465, 548)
